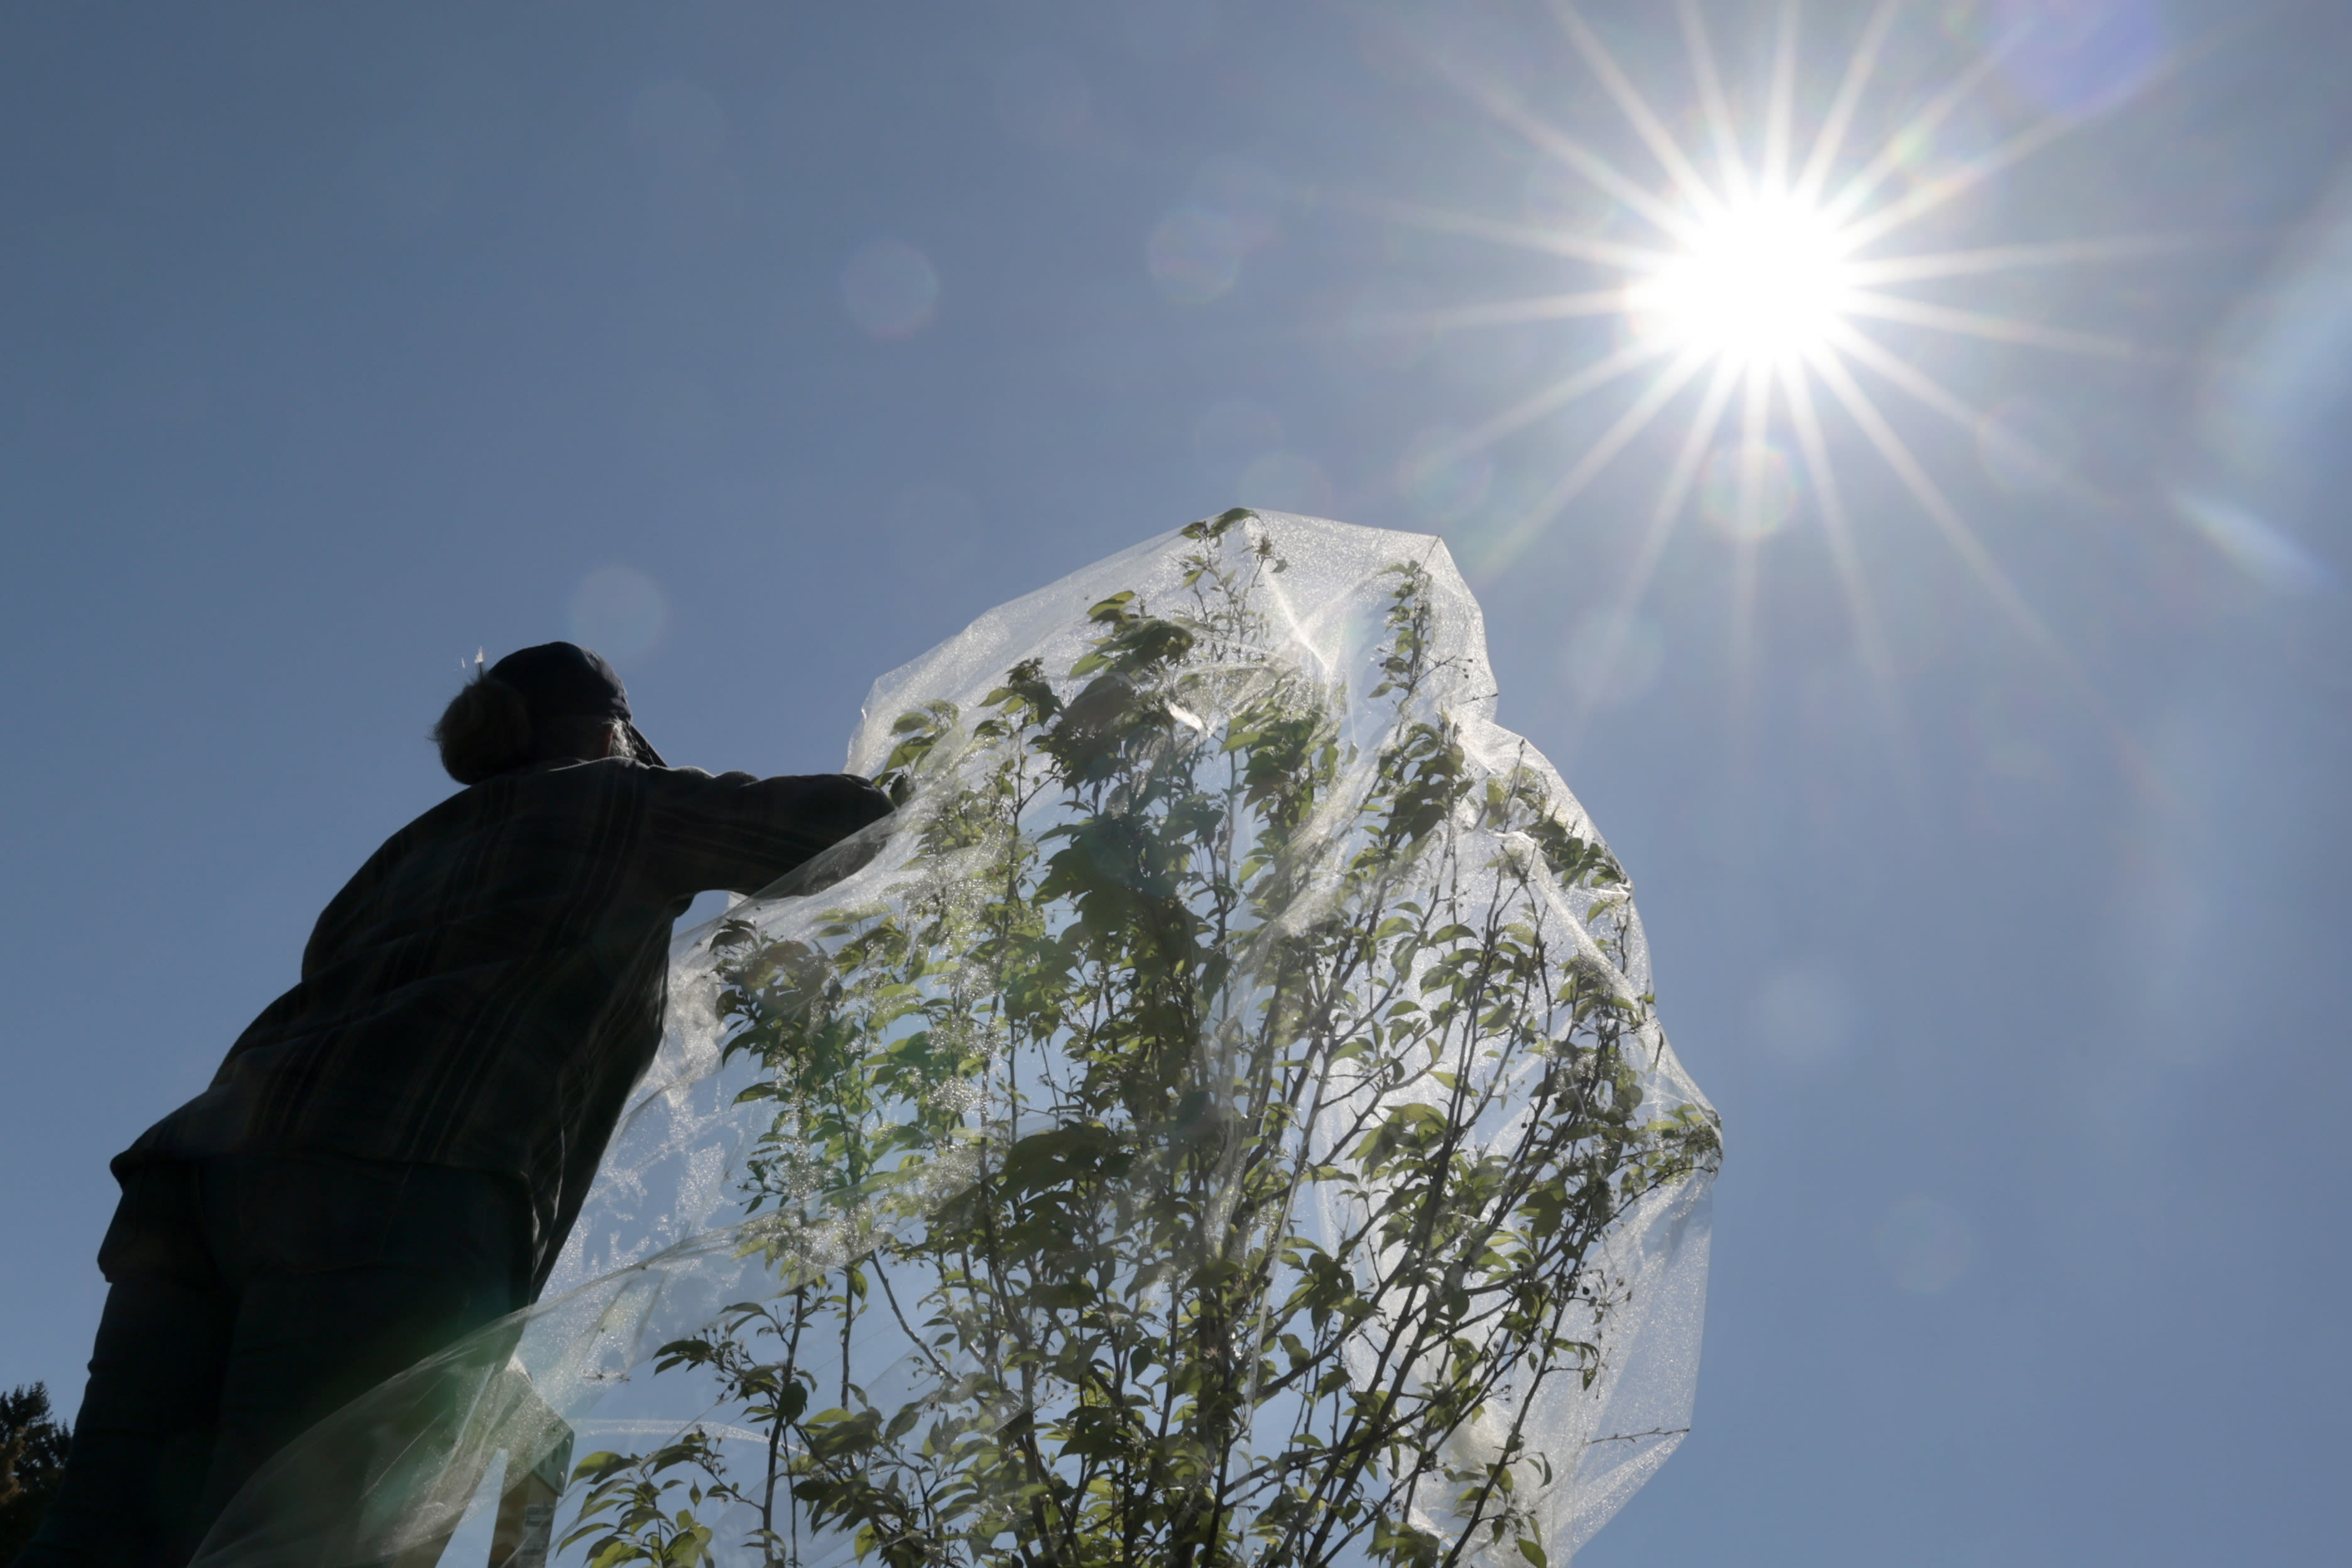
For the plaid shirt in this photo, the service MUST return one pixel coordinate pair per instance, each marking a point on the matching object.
(485, 990)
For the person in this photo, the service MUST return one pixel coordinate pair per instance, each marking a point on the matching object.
(394, 1151)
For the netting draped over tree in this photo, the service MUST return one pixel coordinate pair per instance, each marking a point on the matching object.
(1220, 1118)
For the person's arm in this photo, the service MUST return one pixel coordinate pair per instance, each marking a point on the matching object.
(741, 833)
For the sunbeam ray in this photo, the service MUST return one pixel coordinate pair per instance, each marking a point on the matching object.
(1755, 426)
(1674, 495)
(1528, 237)
(1748, 527)
(1561, 393)
(1865, 181)
(1637, 110)
(1926, 198)
(1925, 388)
(1890, 446)
(1936, 192)
(1933, 264)
(1831, 141)
(1864, 412)
(1779, 110)
(1540, 133)
(1829, 497)
(1601, 454)
(1860, 346)
(1713, 103)
(1997, 329)
(1499, 313)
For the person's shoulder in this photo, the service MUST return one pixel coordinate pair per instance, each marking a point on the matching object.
(690, 780)
(537, 792)
(586, 774)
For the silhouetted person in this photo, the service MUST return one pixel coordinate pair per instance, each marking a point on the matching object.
(394, 1151)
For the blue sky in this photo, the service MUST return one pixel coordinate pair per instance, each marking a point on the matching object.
(765, 345)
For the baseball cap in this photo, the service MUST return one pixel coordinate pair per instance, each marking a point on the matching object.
(564, 681)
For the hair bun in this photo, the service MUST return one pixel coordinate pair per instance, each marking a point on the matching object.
(484, 730)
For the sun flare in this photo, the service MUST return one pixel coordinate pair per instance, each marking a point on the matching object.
(1774, 258)
(1766, 279)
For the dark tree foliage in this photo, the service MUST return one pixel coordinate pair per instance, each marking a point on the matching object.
(32, 1461)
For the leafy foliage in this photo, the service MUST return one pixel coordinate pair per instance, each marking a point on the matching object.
(626, 1515)
(33, 1448)
(1221, 1123)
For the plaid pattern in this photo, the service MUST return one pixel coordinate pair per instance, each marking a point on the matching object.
(485, 991)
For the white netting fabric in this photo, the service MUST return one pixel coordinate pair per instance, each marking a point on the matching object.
(1221, 1116)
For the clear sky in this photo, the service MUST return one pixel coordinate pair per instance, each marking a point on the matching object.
(1977, 763)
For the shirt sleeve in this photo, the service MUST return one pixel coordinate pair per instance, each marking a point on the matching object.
(741, 833)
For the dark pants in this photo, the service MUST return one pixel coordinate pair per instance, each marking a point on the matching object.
(251, 1296)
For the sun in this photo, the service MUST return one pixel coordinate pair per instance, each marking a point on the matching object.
(1765, 279)
(1773, 253)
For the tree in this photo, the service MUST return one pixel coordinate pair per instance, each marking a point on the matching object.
(33, 1448)
(1212, 1146)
